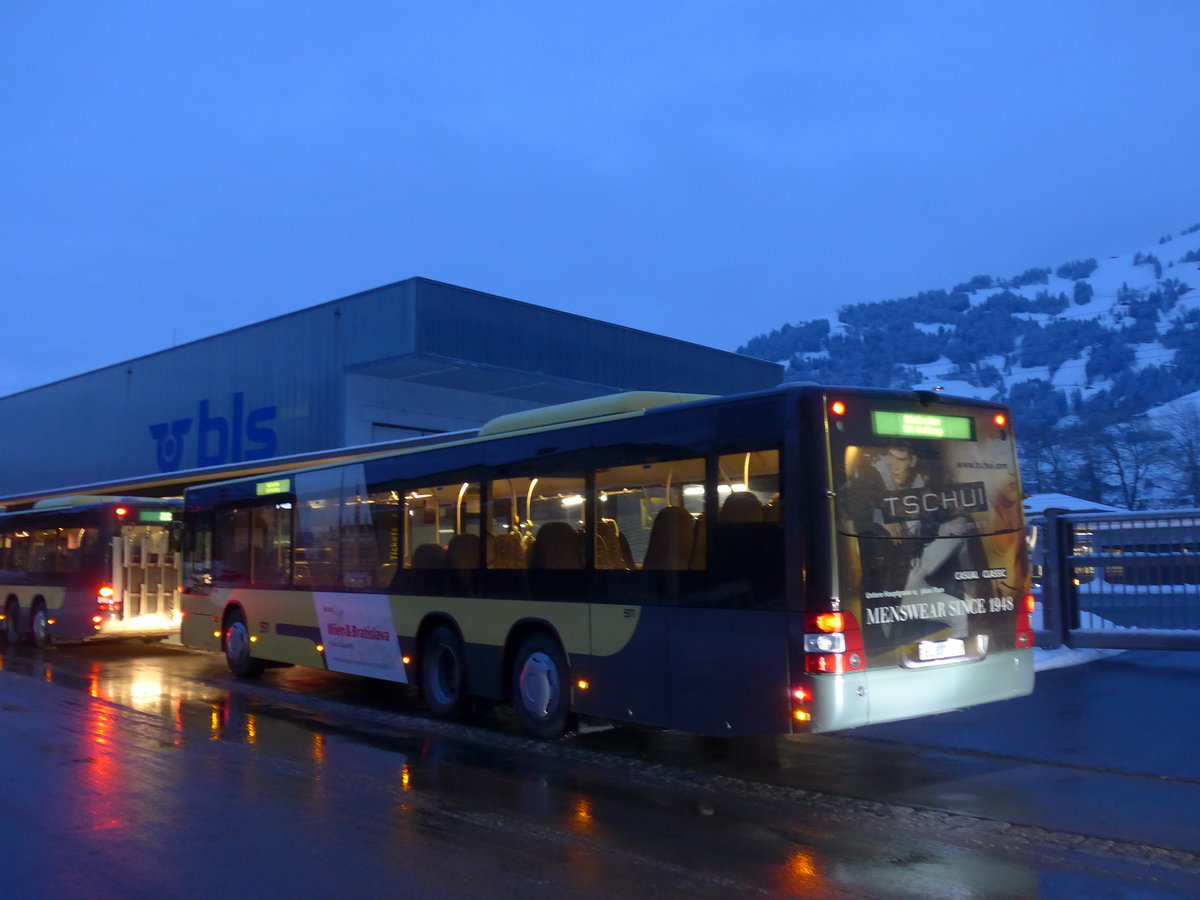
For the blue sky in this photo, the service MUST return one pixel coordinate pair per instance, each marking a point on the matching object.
(706, 170)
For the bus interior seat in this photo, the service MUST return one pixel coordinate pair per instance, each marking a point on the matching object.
(671, 539)
(612, 547)
(508, 552)
(557, 547)
(429, 556)
(699, 557)
(463, 551)
(740, 508)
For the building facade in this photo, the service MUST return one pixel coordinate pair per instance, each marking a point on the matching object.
(411, 358)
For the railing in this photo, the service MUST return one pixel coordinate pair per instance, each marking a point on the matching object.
(1118, 580)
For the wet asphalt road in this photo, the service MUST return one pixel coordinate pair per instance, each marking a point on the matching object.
(137, 770)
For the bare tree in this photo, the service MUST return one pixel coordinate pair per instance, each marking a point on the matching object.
(1134, 457)
(1183, 445)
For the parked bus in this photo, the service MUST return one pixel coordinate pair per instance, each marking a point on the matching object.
(798, 560)
(86, 568)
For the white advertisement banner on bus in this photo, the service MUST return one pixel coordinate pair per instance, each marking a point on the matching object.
(360, 635)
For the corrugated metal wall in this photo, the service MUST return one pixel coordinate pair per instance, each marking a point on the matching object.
(281, 386)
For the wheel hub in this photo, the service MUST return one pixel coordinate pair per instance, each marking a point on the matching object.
(539, 684)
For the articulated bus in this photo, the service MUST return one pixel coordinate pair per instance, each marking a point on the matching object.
(86, 568)
(799, 560)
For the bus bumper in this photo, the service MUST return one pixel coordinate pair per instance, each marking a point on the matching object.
(890, 694)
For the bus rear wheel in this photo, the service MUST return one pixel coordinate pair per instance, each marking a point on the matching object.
(444, 674)
(540, 687)
(39, 627)
(236, 643)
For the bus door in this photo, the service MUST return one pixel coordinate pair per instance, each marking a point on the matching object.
(145, 571)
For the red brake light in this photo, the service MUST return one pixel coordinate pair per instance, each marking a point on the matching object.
(1000, 419)
(107, 599)
(1025, 621)
(121, 511)
(838, 408)
(832, 643)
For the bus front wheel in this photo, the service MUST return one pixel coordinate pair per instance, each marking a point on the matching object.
(12, 624)
(444, 674)
(236, 643)
(540, 690)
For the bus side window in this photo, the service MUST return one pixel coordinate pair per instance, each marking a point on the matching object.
(537, 523)
(747, 541)
(272, 543)
(197, 554)
(318, 513)
(650, 516)
(253, 543)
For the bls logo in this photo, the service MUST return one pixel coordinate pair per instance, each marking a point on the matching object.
(219, 440)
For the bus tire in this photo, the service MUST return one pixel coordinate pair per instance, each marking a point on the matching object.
(39, 627)
(540, 686)
(444, 674)
(12, 623)
(235, 641)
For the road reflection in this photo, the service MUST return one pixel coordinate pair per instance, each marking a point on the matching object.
(579, 816)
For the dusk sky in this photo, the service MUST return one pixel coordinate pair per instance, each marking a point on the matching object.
(705, 170)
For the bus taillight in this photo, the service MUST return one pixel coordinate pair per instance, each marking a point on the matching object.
(107, 600)
(1025, 622)
(832, 644)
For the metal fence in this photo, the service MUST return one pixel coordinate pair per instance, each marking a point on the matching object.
(1118, 580)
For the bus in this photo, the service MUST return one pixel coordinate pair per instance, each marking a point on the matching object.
(804, 559)
(85, 568)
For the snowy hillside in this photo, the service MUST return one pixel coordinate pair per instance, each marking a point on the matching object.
(1082, 347)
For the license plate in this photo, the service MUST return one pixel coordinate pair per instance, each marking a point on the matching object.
(928, 650)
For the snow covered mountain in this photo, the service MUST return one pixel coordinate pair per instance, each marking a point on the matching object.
(1082, 351)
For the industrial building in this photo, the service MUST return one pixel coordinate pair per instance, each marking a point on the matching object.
(412, 358)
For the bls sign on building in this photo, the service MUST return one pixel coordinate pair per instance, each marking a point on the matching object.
(411, 358)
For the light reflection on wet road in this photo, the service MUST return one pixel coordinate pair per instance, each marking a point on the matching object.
(309, 782)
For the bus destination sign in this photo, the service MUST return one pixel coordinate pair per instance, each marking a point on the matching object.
(155, 515)
(922, 425)
(276, 486)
